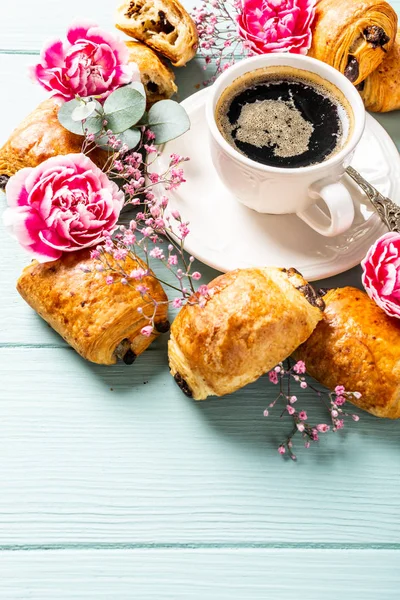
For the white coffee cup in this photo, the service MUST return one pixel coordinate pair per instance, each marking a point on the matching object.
(300, 190)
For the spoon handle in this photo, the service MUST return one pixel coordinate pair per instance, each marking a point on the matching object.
(387, 210)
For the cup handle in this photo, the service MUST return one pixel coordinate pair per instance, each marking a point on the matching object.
(339, 203)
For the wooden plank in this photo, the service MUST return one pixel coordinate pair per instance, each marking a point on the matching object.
(198, 574)
(27, 27)
(113, 455)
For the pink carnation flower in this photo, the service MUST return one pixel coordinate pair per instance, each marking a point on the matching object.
(276, 25)
(91, 62)
(381, 273)
(64, 204)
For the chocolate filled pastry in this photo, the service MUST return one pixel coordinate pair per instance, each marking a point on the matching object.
(252, 320)
(381, 90)
(157, 78)
(39, 137)
(358, 346)
(164, 25)
(101, 322)
(353, 37)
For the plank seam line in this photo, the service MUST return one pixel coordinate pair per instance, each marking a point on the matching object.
(199, 546)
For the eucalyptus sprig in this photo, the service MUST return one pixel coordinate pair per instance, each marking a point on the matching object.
(124, 114)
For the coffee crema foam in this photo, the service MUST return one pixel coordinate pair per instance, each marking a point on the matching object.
(284, 117)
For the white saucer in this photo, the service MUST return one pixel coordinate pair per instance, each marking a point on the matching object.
(226, 235)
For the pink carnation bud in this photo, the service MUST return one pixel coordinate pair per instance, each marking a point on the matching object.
(196, 275)
(266, 413)
(293, 399)
(300, 427)
(303, 385)
(175, 214)
(355, 418)
(357, 395)
(281, 449)
(339, 390)
(177, 303)
(290, 409)
(146, 331)
(323, 428)
(299, 367)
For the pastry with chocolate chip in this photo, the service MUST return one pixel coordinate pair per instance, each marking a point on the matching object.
(101, 322)
(252, 320)
(354, 37)
(164, 25)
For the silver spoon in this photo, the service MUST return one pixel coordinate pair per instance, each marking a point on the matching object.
(387, 210)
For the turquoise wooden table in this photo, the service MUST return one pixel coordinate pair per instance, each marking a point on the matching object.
(114, 485)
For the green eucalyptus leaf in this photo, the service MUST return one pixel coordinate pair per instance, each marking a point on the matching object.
(65, 116)
(167, 120)
(130, 137)
(94, 124)
(123, 108)
(138, 85)
(84, 110)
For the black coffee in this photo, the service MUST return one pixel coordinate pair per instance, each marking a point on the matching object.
(284, 117)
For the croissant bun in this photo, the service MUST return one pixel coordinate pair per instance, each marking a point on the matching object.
(252, 320)
(38, 137)
(358, 346)
(157, 78)
(101, 322)
(353, 37)
(381, 90)
(164, 25)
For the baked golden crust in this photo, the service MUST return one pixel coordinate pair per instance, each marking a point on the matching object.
(353, 37)
(381, 89)
(357, 345)
(38, 137)
(157, 78)
(252, 320)
(101, 322)
(164, 25)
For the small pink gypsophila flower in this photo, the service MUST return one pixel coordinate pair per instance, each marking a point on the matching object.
(64, 204)
(381, 273)
(91, 62)
(276, 25)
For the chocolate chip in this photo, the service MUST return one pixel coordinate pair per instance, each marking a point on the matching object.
(3, 181)
(311, 296)
(183, 385)
(162, 327)
(352, 70)
(376, 36)
(129, 357)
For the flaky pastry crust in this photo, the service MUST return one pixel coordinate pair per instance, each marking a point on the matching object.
(252, 320)
(164, 25)
(101, 322)
(381, 90)
(353, 37)
(39, 137)
(157, 78)
(358, 346)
